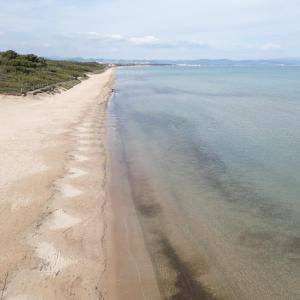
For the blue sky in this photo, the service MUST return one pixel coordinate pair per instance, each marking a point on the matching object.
(174, 29)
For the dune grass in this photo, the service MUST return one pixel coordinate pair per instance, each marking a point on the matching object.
(20, 74)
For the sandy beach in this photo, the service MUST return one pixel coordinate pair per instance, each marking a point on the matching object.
(53, 205)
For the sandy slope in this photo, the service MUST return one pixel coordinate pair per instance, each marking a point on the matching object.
(53, 209)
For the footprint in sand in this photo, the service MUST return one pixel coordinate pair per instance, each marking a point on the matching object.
(24, 297)
(61, 220)
(86, 142)
(79, 157)
(87, 124)
(84, 130)
(83, 135)
(75, 172)
(22, 203)
(53, 260)
(68, 190)
(83, 148)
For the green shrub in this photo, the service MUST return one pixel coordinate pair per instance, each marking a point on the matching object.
(9, 55)
(23, 73)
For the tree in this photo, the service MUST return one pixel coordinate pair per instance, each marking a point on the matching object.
(31, 57)
(10, 54)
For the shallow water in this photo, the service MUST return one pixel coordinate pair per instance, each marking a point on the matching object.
(213, 161)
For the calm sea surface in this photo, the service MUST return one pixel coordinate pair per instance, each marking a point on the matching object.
(213, 160)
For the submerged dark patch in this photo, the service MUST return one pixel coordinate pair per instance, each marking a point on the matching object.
(148, 210)
(208, 166)
(143, 196)
(187, 286)
(293, 246)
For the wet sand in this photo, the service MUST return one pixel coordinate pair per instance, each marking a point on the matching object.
(54, 212)
(131, 272)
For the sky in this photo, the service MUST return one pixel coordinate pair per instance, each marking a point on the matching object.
(156, 29)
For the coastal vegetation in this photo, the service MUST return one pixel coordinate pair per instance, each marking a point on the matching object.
(20, 74)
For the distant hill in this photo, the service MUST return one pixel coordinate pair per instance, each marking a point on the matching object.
(196, 62)
(20, 74)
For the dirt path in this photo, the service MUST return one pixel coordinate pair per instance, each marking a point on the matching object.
(53, 209)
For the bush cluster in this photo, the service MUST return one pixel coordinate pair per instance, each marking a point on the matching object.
(22, 73)
(22, 63)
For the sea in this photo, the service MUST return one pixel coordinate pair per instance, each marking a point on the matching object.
(211, 155)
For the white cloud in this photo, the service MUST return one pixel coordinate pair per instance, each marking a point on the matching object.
(145, 40)
(191, 44)
(115, 37)
(138, 41)
(270, 47)
(92, 33)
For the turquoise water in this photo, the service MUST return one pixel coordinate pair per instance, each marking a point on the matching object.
(213, 160)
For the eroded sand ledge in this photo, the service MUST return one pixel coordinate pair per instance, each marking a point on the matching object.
(53, 208)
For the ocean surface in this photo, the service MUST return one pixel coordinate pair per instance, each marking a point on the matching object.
(212, 157)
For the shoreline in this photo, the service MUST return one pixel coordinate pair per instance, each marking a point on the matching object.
(131, 273)
(154, 267)
(54, 210)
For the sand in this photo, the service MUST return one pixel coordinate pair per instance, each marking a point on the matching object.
(54, 212)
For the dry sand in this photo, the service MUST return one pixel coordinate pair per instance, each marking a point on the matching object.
(53, 205)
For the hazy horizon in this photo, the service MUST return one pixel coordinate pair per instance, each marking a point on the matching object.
(175, 59)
